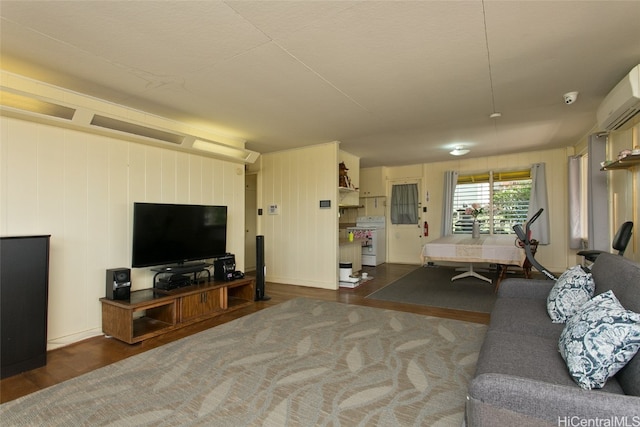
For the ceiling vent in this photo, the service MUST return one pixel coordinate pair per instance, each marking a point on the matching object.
(33, 105)
(134, 129)
(82, 113)
(622, 103)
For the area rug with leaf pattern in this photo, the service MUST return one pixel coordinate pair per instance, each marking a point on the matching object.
(300, 363)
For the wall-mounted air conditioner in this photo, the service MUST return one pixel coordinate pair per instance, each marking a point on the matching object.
(622, 103)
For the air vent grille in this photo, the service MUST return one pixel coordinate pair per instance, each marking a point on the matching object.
(133, 129)
(34, 105)
(623, 119)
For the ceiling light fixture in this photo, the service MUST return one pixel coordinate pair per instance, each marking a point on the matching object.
(459, 151)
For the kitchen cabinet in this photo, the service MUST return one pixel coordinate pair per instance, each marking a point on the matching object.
(373, 182)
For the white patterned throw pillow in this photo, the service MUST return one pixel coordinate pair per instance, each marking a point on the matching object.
(572, 289)
(599, 340)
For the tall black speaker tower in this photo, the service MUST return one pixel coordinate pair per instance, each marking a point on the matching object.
(260, 270)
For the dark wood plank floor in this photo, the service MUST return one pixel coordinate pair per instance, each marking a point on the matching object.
(93, 353)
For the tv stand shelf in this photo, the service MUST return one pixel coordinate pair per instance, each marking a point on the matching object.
(152, 312)
(180, 270)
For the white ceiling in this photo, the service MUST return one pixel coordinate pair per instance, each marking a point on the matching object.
(397, 82)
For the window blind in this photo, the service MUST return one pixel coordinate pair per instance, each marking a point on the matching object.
(503, 198)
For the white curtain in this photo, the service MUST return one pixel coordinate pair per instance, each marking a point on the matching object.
(450, 182)
(575, 202)
(540, 229)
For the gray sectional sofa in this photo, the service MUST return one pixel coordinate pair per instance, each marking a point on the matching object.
(521, 378)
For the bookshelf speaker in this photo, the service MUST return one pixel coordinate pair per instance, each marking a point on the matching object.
(118, 283)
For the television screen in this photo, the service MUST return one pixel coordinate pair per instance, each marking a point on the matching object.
(172, 233)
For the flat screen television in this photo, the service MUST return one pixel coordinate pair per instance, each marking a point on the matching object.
(166, 234)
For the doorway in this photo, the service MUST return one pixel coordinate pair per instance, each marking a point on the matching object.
(405, 237)
(250, 220)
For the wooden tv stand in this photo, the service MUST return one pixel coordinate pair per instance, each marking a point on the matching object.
(152, 312)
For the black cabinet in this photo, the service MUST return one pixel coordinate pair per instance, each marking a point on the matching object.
(24, 282)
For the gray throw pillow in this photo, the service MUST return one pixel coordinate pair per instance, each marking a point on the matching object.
(572, 289)
(599, 340)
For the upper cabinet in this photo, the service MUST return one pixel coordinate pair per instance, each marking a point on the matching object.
(373, 182)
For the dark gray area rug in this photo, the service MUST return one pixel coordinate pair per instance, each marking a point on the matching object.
(432, 286)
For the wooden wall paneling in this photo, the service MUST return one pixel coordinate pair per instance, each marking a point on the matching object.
(80, 188)
(269, 174)
(182, 178)
(73, 198)
(49, 167)
(207, 181)
(301, 191)
(119, 221)
(169, 175)
(137, 175)
(217, 186)
(97, 227)
(152, 175)
(22, 185)
(304, 253)
(237, 235)
(275, 260)
(286, 218)
(139, 171)
(195, 179)
(234, 199)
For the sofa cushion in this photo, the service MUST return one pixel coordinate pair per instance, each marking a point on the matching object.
(598, 341)
(525, 288)
(621, 275)
(573, 288)
(525, 316)
(532, 357)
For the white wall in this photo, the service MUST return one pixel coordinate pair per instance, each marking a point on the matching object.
(555, 256)
(80, 188)
(301, 241)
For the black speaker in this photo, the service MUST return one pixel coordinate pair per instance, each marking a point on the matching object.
(118, 284)
(260, 270)
(224, 267)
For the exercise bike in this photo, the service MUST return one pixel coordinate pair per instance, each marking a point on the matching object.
(524, 235)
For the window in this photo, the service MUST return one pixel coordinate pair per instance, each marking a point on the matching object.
(502, 198)
(404, 204)
(584, 197)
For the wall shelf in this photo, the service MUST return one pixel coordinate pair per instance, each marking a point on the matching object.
(625, 163)
(347, 190)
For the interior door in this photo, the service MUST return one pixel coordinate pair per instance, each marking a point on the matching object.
(404, 241)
